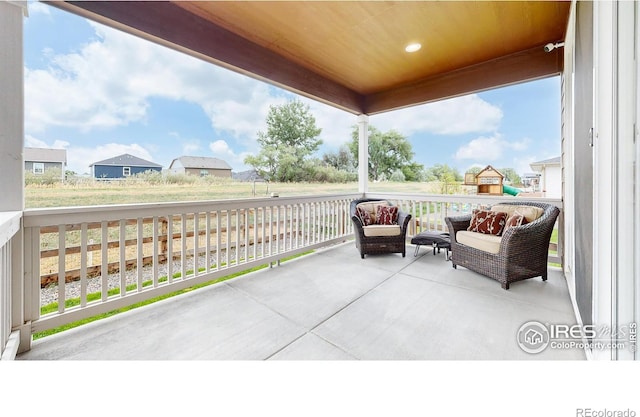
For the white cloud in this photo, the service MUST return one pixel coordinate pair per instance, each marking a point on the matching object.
(110, 80)
(489, 148)
(336, 124)
(485, 148)
(36, 7)
(459, 115)
(189, 148)
(32, 142)
(222, 150)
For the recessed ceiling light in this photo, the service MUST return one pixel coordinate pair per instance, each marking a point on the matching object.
(413, 47)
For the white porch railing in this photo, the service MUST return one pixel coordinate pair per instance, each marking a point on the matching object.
(9, 227)
(133, 253)
(156, 249)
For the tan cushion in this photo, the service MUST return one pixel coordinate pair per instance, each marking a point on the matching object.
(364, 216)
(531, 213)
(382, 230)
(481, 241)
(371, 207)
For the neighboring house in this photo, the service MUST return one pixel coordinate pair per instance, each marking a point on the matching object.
(550, 177)
(531, 180)
(201, 166)
(40, 160)
(121, 167)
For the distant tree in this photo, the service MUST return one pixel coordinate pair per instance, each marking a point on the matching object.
(511, 176)
(443, 173)
(473, 170)
(397, 176)
(388, 152)
(291, 138)
(414, 172)
(341, 160)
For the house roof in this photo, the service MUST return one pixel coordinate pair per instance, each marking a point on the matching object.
(490, 168)
(45, 155)
(201, 162)
(551, 161)
(351, 54)
(127, 160)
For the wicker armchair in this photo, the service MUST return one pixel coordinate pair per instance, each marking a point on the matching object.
(379, 244)
(523, 249)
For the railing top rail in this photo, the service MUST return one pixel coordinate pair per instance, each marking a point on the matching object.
(60, 215)
(458, 198)
(9, 225)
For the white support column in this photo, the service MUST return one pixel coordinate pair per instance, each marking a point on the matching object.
(625, 278)
(12, 142)
(11, 107)
(636, 134)
(603, 179)
(363, 153)
(614, 246)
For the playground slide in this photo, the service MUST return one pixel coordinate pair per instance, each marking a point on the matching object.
(507, 189)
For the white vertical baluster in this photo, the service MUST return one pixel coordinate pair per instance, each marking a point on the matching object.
(264, 231)
(156, 243)
(123, 262)
(83, 264)
(228, 235)
(207, 234)
(183, 246)
(238, 222)
(255, 233)
(170, 248)
(218, 239)
(61, 267)
(196, 244)
(140, 253)
(104, 259)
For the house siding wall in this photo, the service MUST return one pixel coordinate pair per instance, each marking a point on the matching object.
(28, 165)
(115, 171)
(222, 173)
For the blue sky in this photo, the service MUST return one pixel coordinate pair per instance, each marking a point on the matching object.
(99, 93)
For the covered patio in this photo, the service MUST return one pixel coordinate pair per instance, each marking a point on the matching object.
(331, 305)
(352, 55)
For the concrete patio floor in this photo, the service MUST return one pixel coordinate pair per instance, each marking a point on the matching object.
(331, 305)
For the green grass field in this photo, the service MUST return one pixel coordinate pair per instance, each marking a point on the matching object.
(91, 193)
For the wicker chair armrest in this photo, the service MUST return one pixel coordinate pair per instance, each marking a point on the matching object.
(403, 220)
(357, 223)
(457, 223)
(530, 236)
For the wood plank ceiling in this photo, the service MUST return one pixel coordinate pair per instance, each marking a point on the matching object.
(350, 54)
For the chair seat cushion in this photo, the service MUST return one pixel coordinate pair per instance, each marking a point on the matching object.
(480, 241)
(382, 230)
